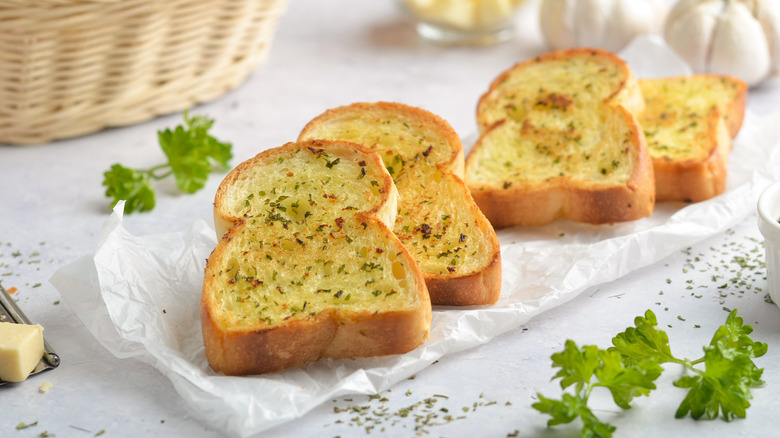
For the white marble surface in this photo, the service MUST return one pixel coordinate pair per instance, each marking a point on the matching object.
(327, 54)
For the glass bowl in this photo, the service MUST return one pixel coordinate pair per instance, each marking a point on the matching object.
(463, 22)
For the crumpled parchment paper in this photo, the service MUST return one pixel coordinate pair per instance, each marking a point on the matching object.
(139, 295)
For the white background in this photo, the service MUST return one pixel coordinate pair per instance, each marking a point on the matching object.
(327, 54)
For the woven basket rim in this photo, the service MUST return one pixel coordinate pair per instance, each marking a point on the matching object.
(73, 67)
(57, 2)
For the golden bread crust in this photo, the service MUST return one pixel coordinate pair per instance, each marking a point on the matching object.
(689, 124)
(274, 258)
(224, 218)
(413, 132)
(696, 180)
(557, 143)
(734, 112)
(623, 90)
(329, 335)
(452, 161)
(533, 203)
(477, 288)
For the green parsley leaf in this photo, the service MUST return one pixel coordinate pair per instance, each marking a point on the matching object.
(577, 365)
(568, 409)
(192, 155)
(630, 368)
(592, 427)
(131, 185)
(626, 379)
(729, 373)
(645, 341)
(562, 411)
(733, 337)
(24, 425)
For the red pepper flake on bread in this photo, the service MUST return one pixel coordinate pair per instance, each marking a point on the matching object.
(438, 220)
(689, 123)
(559, 139)
(308, 266)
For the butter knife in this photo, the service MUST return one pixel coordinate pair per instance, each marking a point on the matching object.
(11, 312)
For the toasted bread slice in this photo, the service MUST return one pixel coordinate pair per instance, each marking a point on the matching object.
(558, 142)
(561, 82)
(689, 123)
(438, 221)
(309, 268)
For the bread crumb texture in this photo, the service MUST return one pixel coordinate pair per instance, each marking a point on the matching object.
(562, 123)
(438, 221)
(676, 121)
(309, 267)
(304, 248)
(688, 124)
(45, 387)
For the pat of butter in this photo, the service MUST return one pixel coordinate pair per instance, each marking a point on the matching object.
(21, 348)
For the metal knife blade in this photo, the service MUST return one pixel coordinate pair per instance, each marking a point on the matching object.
(11, 312)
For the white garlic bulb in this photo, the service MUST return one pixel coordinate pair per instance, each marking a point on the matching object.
(604, 24)
(739, 38)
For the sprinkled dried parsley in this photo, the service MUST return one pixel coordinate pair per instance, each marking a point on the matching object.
(733, 268)
(24, 425)
(20, 263)
(375, 414)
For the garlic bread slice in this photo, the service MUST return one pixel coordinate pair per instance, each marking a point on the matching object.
(309, 267)
(689, 123)
(560, 140)
(438, 221)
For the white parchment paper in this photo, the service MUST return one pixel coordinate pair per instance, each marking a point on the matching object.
(139, 295)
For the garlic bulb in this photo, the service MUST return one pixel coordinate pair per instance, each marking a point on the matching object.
(604, 24)
(739, 38)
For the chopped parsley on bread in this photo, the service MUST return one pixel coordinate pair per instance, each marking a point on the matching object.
(689, 122)
(309, 267)
(438, 221)
(558, 83)
(559, 139)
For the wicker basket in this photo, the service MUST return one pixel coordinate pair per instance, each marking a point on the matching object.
(71, 67)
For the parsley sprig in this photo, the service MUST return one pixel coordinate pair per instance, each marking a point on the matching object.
(630, 368)
(192, 155)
